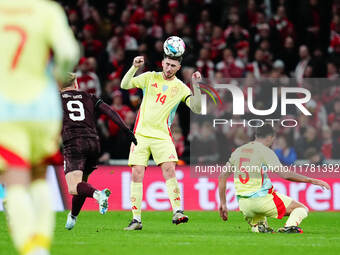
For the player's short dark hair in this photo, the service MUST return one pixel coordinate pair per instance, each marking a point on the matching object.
(264, 131)
(179, 59)
(70, 80)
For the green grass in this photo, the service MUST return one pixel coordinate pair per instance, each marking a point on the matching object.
(204, 234)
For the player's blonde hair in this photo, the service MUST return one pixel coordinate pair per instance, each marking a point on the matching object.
(72, 77)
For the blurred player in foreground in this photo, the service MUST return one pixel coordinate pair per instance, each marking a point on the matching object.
(30, 113)
(162, 93)
(81, 145)
(254, 190)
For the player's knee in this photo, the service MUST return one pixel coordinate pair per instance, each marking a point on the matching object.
(302, 206)
(169, 172)
(137, 175)
(306, 209)
(137, 178)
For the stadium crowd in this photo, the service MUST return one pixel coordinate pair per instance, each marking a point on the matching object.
(257, 40)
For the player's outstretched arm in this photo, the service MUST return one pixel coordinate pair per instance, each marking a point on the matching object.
(195, 100)
(294, 177)
(222, 187)
(106, 109)
(126, 81)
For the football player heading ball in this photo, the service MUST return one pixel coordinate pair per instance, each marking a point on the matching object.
(162, 94)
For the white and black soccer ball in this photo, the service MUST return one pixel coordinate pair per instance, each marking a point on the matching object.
(174, 46)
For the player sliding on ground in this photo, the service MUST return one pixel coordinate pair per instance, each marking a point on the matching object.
(81, 145)
(162, 94)
(254, 190)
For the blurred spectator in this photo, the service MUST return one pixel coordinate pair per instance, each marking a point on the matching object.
(308, 140)
(201, 27)
(265, 46)
(204, 147)
(121, 109)
(111, 12)
(285, 152)
(309, 22)
(278, 73)
(228, 66)
(235, 33)
(289, 55)
(303, 63)
(173, 12)
(314, 157)
(249, 16)
(327, 142)
(335, 114)
(262, 33)
(86, 78)
(92, 46)
(204, 65)
(335, 51)
(282, 24)
(259, 66)
(178, 140)
(336, 139)
(217, 43)
(120, 143)
(332, 72)
(335, 27)
(153, 29)
(121, 40)
(315, 106)
(242, 49)
(187, 73)
(194, 131)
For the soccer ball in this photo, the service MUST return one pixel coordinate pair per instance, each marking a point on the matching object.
(174, 46)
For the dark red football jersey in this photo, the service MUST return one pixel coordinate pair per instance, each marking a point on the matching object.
(79, 114)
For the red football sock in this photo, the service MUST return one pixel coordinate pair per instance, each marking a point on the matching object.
(77, 204)
(85, 189)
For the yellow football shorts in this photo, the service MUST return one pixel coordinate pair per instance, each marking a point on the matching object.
(162, 150)
(25, 143)
(272, 205)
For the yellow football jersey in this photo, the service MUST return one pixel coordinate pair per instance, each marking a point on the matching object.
(28, 31)
(160, 101)
(251, 163)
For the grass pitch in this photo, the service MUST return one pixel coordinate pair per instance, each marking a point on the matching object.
(205, 233)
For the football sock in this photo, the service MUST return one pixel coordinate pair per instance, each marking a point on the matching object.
(253, 222)
(20, 215)
(174, 194)
(296, 216)
(77, 204)
(85, 189)
(256, 219)
(43, 211)
(136, 197)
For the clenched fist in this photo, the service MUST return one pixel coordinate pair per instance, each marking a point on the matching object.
(138, 61)
(196, 77)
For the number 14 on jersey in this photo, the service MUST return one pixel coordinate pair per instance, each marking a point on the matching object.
(161, 98)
